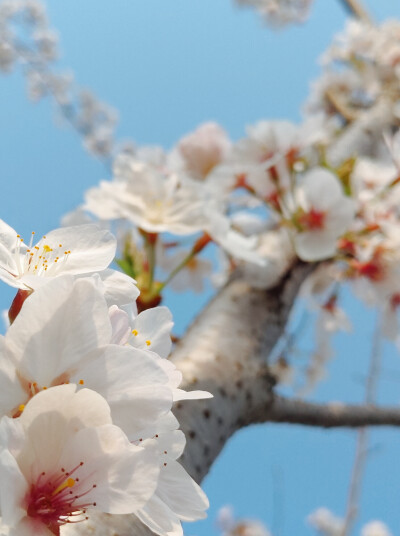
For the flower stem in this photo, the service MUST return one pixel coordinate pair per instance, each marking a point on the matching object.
(198, 246)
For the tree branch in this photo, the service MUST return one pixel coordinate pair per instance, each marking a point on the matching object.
(354, 7)
(338, 104)
(332, 415)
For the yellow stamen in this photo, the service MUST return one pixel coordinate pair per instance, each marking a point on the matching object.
(47, 248)
(81, 382)
(69, 483)
(148, 343)
(135, 332)
(21, 407)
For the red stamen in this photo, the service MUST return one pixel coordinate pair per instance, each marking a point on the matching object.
(312, 220)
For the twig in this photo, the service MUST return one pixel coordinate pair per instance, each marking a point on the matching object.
(341, 107)
(362, 439)
(355, 7)
(333, 415)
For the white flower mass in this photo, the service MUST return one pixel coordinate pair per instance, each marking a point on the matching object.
(87, 386)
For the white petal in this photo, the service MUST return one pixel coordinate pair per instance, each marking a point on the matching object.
(181, 493)
(57, 327)
(120, 325)
(180, 394)
(322, 188)
(154, 325)
(28, 526)
(170, 444)
(315, 245)
(125, 475)
(51, 418)
(11, 392)
(159, 518)
(119, 289)
(92, 248)
(134, 384)
(8, 236)
(13, 485)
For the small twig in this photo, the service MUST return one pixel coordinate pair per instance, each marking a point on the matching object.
(341, 107)
(362, 439)
(355, 7)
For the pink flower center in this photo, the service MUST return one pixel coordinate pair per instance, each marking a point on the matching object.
(312, 220)
(395, 301)
(56, 500)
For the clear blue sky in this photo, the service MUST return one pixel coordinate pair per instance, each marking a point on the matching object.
(168, 65)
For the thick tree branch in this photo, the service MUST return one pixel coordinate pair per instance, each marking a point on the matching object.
(333, 415)
(225, 352)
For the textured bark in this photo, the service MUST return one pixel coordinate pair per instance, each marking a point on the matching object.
(225, 351)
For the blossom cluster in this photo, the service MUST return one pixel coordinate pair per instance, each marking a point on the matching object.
(280, 12)
(273, 197)
(327, 524)
(86, 392)
(323, 520)
(26, 38)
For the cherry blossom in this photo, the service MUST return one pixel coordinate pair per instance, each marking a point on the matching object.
(63, 334)
(375, 528)
(280, 12)
(326, 522)
(322, 213)
(63, 457)
(148, 198)
(150, 331)
(27, 266)
(243, 527)
(204, 149)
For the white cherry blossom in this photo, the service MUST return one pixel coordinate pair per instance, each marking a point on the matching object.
(144, 195)
(76, 250)
(63, 334)
(243, 527)
(203, 149)
(150, 331)
(322, 213)
(280, 12)
(63, 458)
(375, 528)
(326, 522)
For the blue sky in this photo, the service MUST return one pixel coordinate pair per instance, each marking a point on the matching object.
(168, 65)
